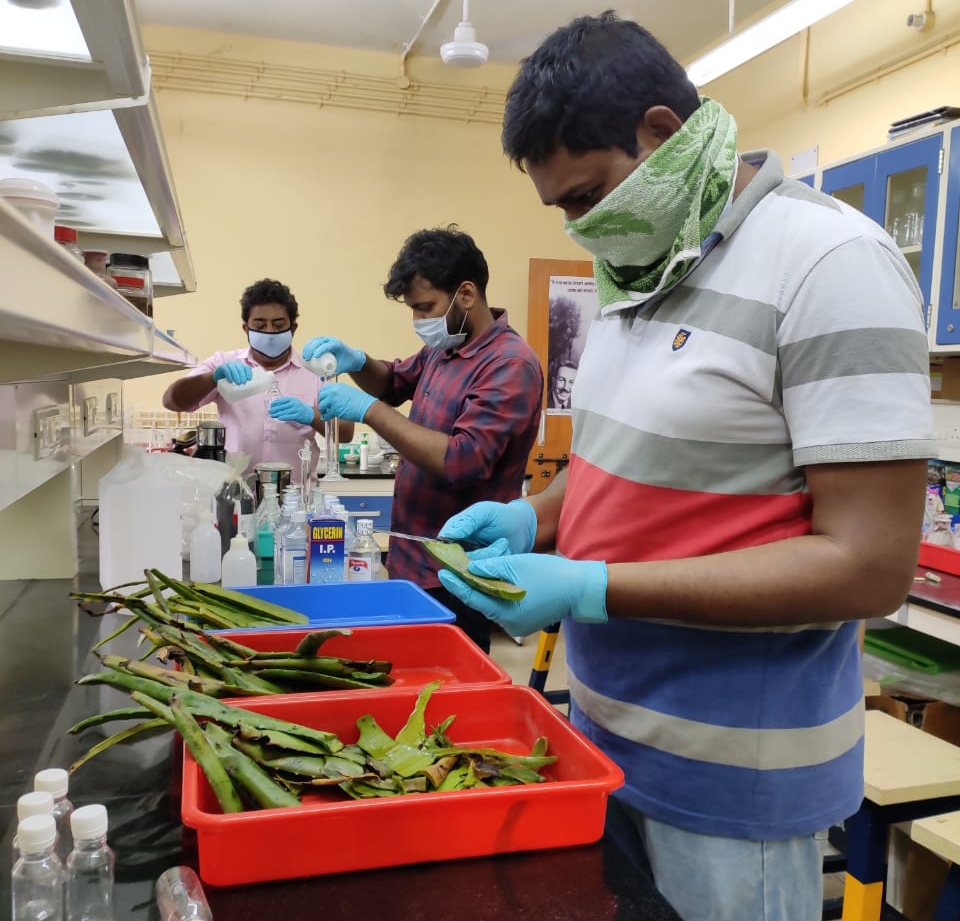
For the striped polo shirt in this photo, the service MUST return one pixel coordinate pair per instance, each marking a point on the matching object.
(797, 340)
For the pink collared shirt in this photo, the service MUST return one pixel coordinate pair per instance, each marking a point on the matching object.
(249, 428)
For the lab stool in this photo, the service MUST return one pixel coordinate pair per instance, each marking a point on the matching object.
(541, 665)
(908, 774)
(941, 835)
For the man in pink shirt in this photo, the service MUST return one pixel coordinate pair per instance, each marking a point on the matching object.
(273, 432)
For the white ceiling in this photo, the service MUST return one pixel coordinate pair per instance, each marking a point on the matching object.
(511, 28)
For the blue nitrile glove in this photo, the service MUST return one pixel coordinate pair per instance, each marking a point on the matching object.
(344, 402)
(234, 371)
(483, 522)
(556, 588)
(348, 359)
(290, 409)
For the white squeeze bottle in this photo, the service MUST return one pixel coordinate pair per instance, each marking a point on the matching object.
(89, 870)
(239, 565)
(36, 882)
(205, 550)
(37, 803)
(261, 381)
(56, 782)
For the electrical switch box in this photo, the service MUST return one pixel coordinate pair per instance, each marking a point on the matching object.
(46, 431)
(89, 418)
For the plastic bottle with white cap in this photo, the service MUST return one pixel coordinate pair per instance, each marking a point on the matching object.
(36, 883)
(56, 782)
(239, 566)
(260, 381)
(31, 804)
(89, 870)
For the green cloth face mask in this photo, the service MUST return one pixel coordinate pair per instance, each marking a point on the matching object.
(648, 231)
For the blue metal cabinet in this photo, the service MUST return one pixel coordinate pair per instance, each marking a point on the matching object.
(807, 179)
(899, 188)
(947, 331)
(376, 507)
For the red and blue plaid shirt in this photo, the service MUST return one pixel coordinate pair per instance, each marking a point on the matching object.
(487, 398)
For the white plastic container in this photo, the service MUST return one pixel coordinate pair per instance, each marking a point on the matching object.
(37, 202)
(139, 520)
(205, 551)
(261, 381)
(239, 565)
(324, 365)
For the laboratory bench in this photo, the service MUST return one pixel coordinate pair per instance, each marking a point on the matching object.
(46, 643)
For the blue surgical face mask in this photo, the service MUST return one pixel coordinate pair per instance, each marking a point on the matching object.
(434, 333)
(273, 345)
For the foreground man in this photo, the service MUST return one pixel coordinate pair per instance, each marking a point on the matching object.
(756, 378)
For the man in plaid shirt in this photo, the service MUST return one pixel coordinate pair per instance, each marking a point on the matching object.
(476, 390)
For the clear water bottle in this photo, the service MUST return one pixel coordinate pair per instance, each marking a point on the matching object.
(295, 550)
(56, 782)
(180, 897)
(31, 804)
(364, 555)
(89, 872)
(36, 884)
(290, 504)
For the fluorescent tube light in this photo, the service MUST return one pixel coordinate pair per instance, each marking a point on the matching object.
(51, 30)
(790, 19)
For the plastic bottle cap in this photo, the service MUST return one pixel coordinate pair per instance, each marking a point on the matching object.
(55, 781)
(88, 822)
(36, 833)
(238, 542)
(37, 803)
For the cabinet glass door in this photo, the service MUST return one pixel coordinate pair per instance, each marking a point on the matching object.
(911, 184)
(855, 185)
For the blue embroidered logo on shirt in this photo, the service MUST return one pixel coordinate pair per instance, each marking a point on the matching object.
(680, 339)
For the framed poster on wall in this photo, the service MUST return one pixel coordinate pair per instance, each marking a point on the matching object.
(562, 302)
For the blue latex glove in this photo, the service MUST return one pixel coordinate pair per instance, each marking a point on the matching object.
(484, 522)
(234, 371)
(290, 409)
(343, 402)
(556, 588)
(348, 359)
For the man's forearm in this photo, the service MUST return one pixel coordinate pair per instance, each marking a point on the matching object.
(183, 395)
(547, 505)
(373, 377)
(421, 446)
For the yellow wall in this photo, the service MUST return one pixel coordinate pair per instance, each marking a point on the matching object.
(766, 95)
(323, 198)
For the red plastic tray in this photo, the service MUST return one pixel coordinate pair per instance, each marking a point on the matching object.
(420, 653)
(933, 556)
(330, 833)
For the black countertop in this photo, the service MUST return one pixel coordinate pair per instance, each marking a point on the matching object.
(45, 646)
(381, 471)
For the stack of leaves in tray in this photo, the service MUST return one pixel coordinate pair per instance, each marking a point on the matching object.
(255, 760)
(251, 759)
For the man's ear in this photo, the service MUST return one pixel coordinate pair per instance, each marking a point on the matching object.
(468, 296)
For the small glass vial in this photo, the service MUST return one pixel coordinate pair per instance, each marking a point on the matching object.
(134, 281)
(364, 554)
(67, 238)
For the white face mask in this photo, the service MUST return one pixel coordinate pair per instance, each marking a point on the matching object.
(434, 333)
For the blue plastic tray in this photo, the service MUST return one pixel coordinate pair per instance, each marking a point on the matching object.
(356, 604)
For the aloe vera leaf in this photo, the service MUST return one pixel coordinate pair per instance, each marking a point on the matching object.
(461, 777)
(126, 625)
(146, 727)
(437, 771)
(195, 648)
(366, 789)
(309, 645)
(316, 679)
(254, 684)
(414, 732)
(454, 557)
(279, 739)
(228, 648)
(157, 588)
(499, 757)
(404, 760)
(250, 604)
(246, 773)
(98, 719)
(373, 740)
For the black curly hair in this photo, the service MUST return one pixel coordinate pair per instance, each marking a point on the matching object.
(268, 291)
(446, 257)
(588, 86)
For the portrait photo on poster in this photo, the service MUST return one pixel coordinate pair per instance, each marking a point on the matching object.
(573, 305)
